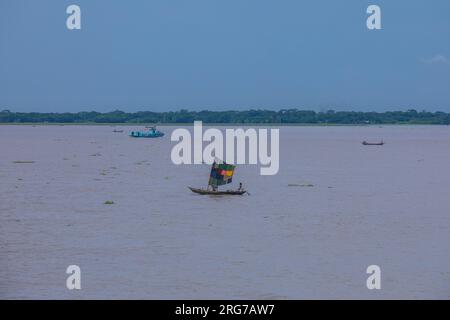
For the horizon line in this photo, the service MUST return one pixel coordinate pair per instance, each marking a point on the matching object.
(183, 110)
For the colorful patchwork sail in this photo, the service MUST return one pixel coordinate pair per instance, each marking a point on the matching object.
(221, 173)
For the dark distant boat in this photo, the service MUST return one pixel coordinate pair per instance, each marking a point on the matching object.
(117, 131)
(150, 133)
(373, 143)
(221, 174)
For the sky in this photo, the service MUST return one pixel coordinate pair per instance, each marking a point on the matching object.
(161, 55)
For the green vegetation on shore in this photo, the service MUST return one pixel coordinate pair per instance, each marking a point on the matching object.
(285, 116)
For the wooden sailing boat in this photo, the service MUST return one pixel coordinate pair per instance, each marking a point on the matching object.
(221, 174)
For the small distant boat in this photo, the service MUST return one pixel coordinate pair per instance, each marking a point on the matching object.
(221, 174)
(365, 143)
(118, 131)
(150, 133)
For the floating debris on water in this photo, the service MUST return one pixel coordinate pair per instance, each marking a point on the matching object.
(142, 162)
(23, 162)
(109, 202)
(304, 185)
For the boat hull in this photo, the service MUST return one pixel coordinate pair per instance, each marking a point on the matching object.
(364, 143)
(218, 193)
(146, 135)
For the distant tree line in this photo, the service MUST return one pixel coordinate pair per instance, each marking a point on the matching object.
(285, 116)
